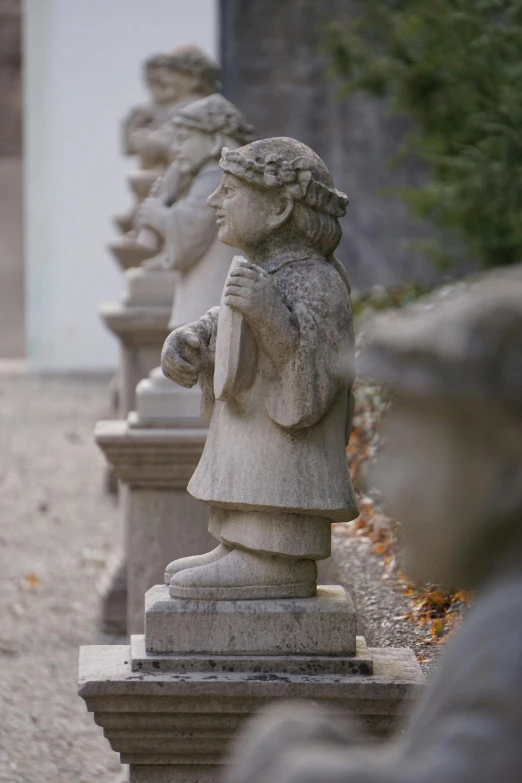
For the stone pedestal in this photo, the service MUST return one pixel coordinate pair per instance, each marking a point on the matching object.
(140, 321)
(171, 714)
(125, 249)
(153, 454)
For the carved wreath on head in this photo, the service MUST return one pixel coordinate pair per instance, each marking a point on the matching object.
(295, 176)
(213, 115)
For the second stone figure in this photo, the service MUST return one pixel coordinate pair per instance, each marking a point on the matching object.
(276, 364)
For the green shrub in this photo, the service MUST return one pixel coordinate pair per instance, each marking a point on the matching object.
(456, 67)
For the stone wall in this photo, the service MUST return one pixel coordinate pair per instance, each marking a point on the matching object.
(10, 78)
(274, 71)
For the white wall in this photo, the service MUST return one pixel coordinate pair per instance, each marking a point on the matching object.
(82, 73)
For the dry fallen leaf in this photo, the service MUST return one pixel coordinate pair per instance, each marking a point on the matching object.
(30, 582)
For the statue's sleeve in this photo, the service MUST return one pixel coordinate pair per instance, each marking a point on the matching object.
(191, 223)
(321, 364)
(209, 324)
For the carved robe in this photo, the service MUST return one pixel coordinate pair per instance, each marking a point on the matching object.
(280, 447)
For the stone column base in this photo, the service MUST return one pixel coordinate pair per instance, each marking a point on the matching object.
(171, 713)
(177, 727)
(162, 521)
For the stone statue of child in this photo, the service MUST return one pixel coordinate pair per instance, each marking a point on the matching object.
(275, 362)
(452, 473)
(188, 226)
(174, 80)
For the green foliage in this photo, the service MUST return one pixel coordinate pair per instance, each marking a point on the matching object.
(380, 298)
(456, 67)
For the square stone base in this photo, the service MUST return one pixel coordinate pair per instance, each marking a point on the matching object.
(178, 726)
(323, 625)
(143, 661)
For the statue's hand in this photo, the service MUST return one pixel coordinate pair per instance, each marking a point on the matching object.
(184, 356)
(251, 291)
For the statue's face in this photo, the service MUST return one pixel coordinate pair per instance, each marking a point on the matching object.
(246, 214)
(190, 148)
(168, 86)
(436, 473)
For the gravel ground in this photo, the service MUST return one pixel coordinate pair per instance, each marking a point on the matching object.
(379, 600)
(58, 532)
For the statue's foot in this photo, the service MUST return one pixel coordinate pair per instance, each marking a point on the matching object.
(195, 561)
(244, 575)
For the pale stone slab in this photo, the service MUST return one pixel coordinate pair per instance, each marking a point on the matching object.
(142, 661)
(148, 288)
(141, 332)
(161, 403)
(323, 625)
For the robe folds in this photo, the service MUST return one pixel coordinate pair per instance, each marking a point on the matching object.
(280, 446)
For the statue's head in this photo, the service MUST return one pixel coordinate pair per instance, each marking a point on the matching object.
(185, 71)
(278, 189)
(451, 465)
(201, 129)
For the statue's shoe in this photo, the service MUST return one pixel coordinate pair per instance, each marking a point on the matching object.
(245, 575)
(195, 561)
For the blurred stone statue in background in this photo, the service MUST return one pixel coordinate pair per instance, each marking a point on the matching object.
(174, 80)
(276, 366)
(176, 217)
(451, 471)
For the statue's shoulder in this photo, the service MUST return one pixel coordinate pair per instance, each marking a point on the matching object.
(309, 273)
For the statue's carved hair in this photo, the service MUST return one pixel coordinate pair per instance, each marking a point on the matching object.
(286, 164)
(321, 231)
(291, 167)
(192, 60)
(214, 114)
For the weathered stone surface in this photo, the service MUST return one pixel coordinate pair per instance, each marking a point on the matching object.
(453, 451)
(276, 386)
(324, 625)
(158, 466)
(151, 457)
(175, 80)
(143, 288)
(360, 663)
(159, 403)
(183, 225)
(184, 723)
(274, 474)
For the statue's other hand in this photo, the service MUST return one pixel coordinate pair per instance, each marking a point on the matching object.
(182, 357)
